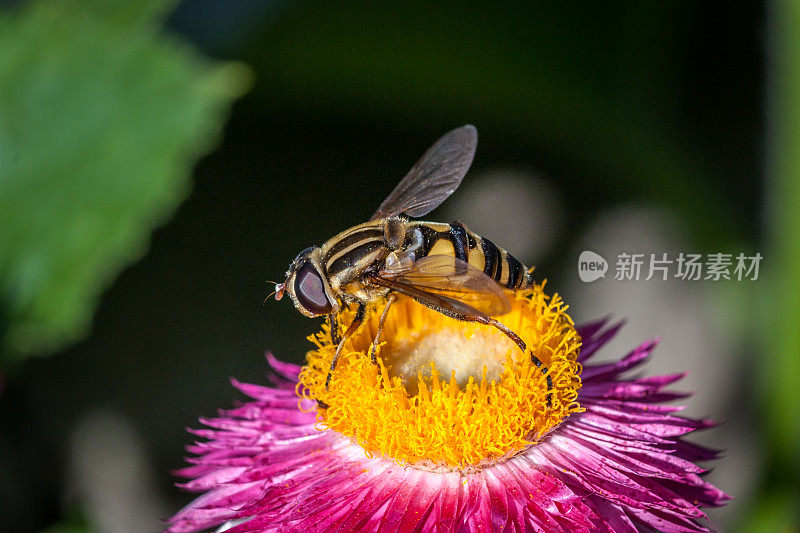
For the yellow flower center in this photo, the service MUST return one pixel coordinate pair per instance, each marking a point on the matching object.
(447, 394)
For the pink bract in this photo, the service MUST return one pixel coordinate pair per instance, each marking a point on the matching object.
(622, 465)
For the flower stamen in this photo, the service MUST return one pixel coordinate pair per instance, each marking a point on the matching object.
(448, 394)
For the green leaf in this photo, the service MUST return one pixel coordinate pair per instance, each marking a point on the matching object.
(101, 119)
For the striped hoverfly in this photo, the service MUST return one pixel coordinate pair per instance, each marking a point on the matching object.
(445, 267)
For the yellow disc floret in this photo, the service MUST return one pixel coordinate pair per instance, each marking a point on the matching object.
(447, 394)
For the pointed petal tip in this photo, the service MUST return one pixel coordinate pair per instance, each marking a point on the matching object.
(590, 328)
(594, 339)
(706, 423)
(651, 344)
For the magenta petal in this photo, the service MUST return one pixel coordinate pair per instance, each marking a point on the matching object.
(614, 518)
(590, 329)
(595, 341)
(286, 370)
(634, 358)
(620, 466)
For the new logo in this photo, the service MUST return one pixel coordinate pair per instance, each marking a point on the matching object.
(591, 266)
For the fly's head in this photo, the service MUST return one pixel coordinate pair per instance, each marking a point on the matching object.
(307, 285)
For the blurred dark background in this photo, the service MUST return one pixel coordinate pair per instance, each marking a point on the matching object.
(631, 126)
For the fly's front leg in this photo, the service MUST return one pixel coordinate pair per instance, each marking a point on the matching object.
(357, 321)
(376, 341)
(334, 323)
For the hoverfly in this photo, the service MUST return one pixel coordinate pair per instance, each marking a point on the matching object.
(445, 267)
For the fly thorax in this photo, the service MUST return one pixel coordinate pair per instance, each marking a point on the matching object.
(394, 232)
(360, 291)
(335, 284)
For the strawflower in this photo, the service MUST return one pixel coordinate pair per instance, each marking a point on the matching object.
(454, 430)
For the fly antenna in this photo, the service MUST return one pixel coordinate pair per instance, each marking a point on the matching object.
(278, 292)
(277, 289)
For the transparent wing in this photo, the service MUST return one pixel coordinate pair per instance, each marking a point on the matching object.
(443, 304)
(434, 177)
(452, 279)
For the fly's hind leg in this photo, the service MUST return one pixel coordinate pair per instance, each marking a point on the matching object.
(467, 314)
(483, 319)
(376, 341)
(357, 321)
(462, 311)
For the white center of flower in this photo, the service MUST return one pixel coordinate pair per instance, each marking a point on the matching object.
(450, 350)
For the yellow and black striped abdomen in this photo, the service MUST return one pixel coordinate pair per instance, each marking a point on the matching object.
(435, 238)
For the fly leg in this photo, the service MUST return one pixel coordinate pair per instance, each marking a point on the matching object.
(357, 320)
(466, 313)
(334, 323)
(480, 318)
(389, 301)
(336, 339)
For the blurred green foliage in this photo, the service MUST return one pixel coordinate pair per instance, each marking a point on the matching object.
(779, 319)
(777, 512)
(74, 521)
(606, 93)
(102, 117)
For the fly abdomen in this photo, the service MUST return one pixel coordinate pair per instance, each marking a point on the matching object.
(434, 238)
(460, 239)
(503, 267)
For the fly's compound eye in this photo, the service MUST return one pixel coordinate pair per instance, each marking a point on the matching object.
(310, 291)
